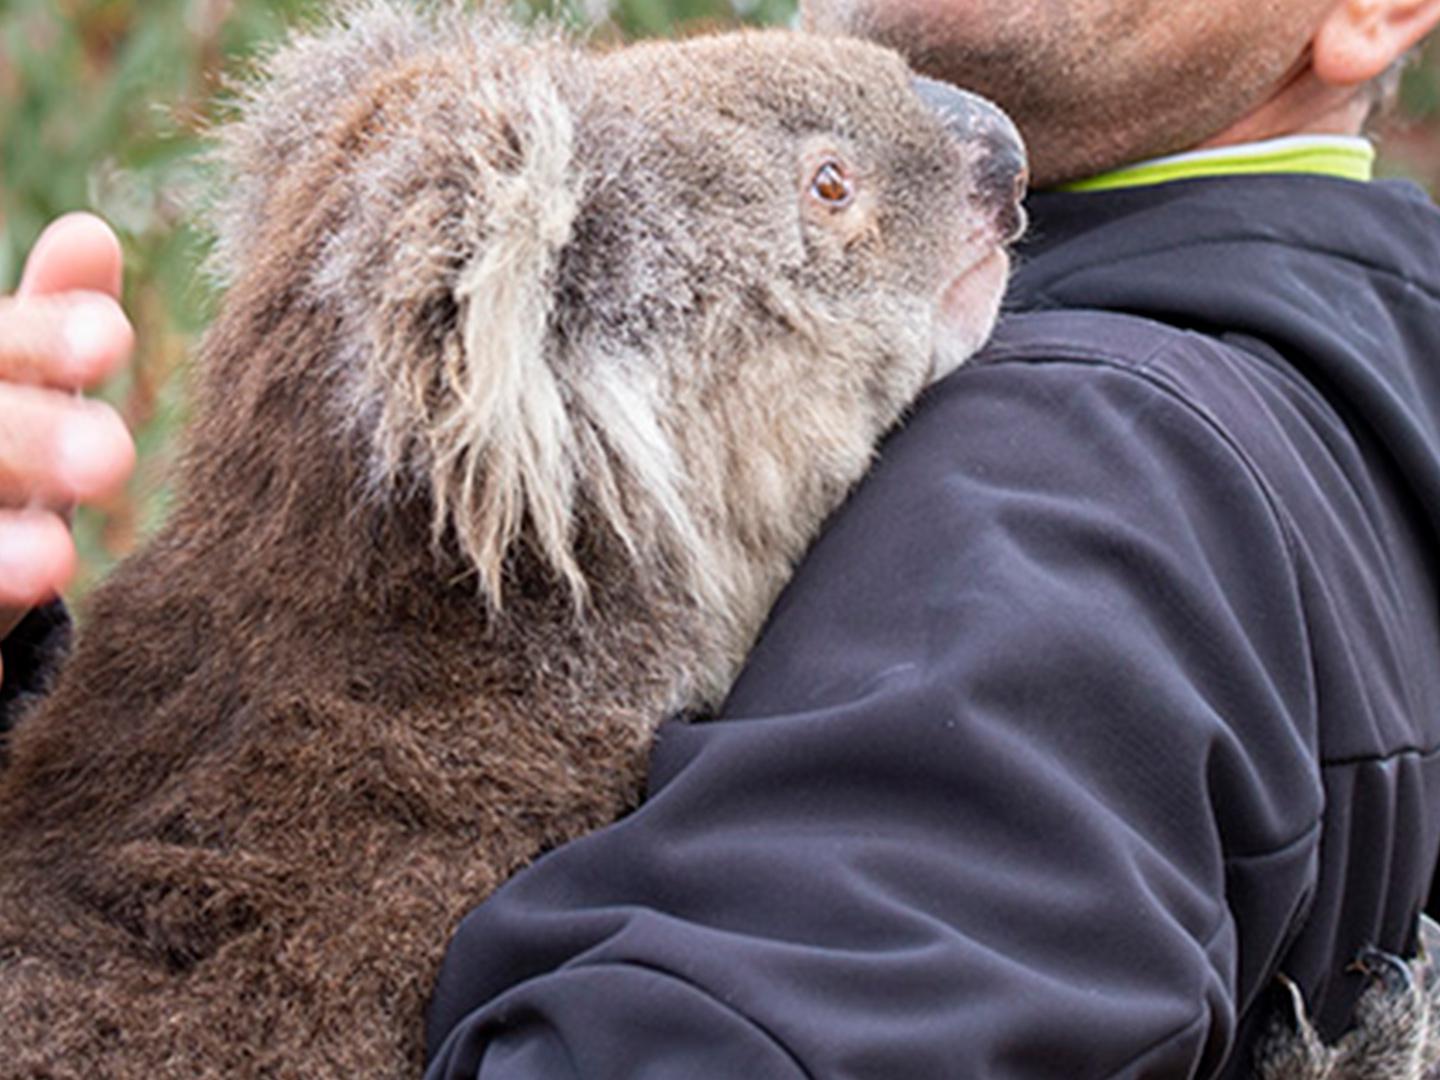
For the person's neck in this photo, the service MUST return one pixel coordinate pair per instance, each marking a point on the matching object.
(1303, 105)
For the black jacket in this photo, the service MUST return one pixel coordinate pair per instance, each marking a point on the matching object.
(30, 656)
(1114, 690)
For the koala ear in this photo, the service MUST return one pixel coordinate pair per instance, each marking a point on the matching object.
(284, 108)
(500, 441)
(444, 267)
(415, 168)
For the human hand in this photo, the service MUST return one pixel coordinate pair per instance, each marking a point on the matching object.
(62, 331)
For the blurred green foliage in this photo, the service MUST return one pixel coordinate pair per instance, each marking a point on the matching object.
(1409, 137)
(103, 104)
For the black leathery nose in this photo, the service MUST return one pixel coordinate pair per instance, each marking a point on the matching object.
(1003, 166)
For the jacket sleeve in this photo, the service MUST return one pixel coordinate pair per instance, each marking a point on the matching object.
(1020, 781)
(31, 654)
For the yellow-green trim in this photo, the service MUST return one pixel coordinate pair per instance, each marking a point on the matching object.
(1348, 160)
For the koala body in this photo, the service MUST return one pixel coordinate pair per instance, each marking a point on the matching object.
(538, 369)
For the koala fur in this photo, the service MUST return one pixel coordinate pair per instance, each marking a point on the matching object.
(538, 369)
(1396, 1034)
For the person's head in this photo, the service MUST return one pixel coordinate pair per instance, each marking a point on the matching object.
(1094, 84)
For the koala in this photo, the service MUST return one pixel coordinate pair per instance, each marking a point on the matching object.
(537, 370)
(1396, 1033)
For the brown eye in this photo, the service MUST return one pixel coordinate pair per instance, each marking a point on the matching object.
(831, 185)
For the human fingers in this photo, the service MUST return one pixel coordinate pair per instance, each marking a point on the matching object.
(56, 449)
(71, 339)
(37, 560)
(53, 449)
(75, 252)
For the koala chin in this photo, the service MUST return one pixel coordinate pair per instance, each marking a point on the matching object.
(538, 369)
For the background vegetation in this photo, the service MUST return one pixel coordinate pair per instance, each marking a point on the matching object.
(103, 104)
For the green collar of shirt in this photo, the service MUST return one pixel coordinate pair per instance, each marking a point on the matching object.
(1344, 156)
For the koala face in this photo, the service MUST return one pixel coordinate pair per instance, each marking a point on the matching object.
(663, 300)
(777, 240)
(797, 183)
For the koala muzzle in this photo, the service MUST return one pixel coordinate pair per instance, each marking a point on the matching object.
(1003, 168)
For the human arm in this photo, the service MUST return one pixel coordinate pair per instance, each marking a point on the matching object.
(1020, 780)
(63, 330)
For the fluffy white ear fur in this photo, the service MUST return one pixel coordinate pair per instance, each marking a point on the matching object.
(501, 444)
(464, 196)
(466, 210)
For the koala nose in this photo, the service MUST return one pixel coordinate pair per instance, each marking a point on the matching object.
(1003, 170)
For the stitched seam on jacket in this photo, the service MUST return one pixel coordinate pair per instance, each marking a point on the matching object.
(1379, 759)
(1141, 371)
(1288, 244)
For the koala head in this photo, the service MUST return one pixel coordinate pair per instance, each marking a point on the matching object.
(672, 292)
(799, 185)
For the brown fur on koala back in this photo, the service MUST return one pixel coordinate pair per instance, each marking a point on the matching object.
(537, 370)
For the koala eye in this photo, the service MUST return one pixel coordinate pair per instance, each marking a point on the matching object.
(831, 185)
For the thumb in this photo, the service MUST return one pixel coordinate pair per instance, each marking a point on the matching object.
(75, 252)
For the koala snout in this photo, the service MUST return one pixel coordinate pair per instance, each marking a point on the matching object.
(1003, 168)
(1002, 183)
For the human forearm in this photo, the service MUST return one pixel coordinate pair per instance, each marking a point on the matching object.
(974, 806)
